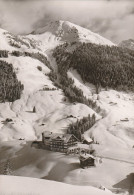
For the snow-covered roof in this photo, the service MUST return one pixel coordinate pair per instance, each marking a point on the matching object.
(85, 156)
(88, 139)
(52, 136)
(80, 146)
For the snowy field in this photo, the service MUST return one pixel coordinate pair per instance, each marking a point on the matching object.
(32, 186)
(115, 175)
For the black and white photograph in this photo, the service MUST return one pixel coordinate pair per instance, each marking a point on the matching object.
(66, 97)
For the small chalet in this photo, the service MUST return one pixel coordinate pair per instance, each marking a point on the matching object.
(87, 160)
(58, 142)
(87, 140)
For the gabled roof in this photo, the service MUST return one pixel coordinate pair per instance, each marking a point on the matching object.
(63, 137)
(84, 157)
(88, 139)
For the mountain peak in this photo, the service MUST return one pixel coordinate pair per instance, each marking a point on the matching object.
(69, 32)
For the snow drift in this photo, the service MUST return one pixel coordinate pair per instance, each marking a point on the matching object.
(23, 185)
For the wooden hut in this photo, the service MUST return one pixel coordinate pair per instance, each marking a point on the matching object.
(86, 160)
(87, 140)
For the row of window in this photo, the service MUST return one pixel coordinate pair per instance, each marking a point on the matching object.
(54, 146)
(59, 149)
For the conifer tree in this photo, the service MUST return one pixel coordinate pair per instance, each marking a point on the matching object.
(34, 109)
(7, 168)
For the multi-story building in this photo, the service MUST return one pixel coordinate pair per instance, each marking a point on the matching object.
(58, 142)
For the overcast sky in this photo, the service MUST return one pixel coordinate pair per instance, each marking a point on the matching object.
(113, 19)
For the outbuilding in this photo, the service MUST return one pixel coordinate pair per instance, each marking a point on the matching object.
(86, 160)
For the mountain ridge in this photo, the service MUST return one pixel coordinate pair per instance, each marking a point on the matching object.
(127, 44)
(64, 31)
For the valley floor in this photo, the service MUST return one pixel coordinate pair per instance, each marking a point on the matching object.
(114, 173)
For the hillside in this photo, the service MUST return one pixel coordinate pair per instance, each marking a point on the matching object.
(100, 65)
(17, 185)
(59, 32)
(22, 54)
(73, 82)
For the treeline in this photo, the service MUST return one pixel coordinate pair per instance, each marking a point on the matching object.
(10, 87)
(98, 64)
(37, 56)
(17, 41)
(81, 126)
(73, 93)
(3, 53)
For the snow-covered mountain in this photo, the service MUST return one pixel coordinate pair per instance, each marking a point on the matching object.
(58, 32)
(46, 102)
(67, 31)
(127, 44)
(112, 133)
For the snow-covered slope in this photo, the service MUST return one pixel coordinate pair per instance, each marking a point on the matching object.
(50, 36)
(23, 185)
(116, 126)
(59, 32)
(51, 111)
(4, 45)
